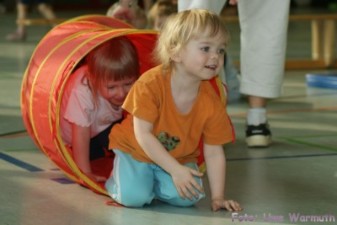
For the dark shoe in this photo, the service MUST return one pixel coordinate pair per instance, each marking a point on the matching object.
(258, 136)
(16, 36)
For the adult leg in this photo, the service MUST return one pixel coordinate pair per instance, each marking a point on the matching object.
(20, 33)
(230, 78)
(263, 44)
(2, 7)
(46, 10)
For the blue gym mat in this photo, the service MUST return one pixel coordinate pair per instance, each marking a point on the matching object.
(322, 80)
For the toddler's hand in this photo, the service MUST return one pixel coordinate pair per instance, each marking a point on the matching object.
(185, 182)
(229, 205)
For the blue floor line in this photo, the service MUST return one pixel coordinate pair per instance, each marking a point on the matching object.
(31, 168)
(283, 157)
(63, 180)
(19, 163)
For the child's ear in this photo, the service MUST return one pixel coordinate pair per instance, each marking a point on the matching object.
(175, 57)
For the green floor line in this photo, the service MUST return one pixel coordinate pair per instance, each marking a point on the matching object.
(310, 144)
(21, 150)
(314, 136)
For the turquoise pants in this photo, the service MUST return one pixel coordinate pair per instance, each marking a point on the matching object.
(134, 183)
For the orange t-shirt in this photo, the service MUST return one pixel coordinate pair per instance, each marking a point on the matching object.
(151, 99)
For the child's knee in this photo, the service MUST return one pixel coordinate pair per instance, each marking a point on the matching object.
(174, 198)
(136, 199)
(181, 202)
(130, 196)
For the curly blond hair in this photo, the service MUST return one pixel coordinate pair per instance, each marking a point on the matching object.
(180, 28)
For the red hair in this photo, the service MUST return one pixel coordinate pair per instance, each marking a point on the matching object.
(115, 59)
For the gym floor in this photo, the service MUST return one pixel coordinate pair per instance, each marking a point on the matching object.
(292, 182)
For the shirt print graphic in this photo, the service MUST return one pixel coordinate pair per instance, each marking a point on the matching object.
(169, 143)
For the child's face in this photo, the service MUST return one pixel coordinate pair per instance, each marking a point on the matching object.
(203, 56)
(115, 91)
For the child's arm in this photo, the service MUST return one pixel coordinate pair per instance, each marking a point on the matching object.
(129, 12)
(216, 170)
(182, 176)
(81, 150)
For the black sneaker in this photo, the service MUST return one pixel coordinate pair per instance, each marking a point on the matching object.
(258, 136)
